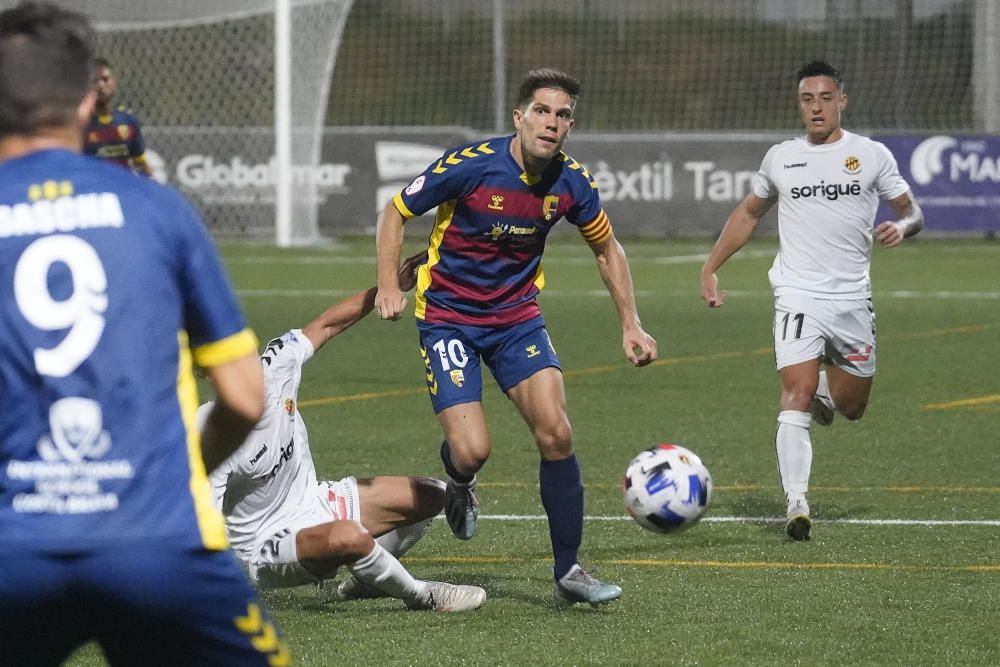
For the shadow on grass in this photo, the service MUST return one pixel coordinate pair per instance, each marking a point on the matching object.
(532, 588)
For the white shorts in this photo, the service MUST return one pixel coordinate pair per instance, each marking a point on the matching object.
(842, 331)
(275, 563)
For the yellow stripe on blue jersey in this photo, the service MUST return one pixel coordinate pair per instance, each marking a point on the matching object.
(597, 230)
(485, 266)
(445, 214)
(530, 179)
(401, 207)
(540, 277)
(211, 525)
(228, 349)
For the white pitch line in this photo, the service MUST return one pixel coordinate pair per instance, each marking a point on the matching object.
(766, 519)
(303, 259)
(549, 259)
(908, 294)
(277, 292)
(701, 257)
(292, 293)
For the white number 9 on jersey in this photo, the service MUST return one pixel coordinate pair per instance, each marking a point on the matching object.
(81, 312)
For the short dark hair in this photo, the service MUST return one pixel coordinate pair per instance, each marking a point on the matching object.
(101, 61)
(546, 77)
(46, 61)
(820, 68)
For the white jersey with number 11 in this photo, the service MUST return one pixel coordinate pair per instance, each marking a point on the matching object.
(827, 199)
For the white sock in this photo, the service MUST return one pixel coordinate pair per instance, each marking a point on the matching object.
(399, 541)
(794, 450)
(381, 570)
(823, 391)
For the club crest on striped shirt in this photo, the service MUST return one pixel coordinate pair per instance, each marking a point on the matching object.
(550, 205)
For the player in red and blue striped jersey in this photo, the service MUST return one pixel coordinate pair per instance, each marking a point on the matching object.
(110, 291)
(114, 132)
(475, 299)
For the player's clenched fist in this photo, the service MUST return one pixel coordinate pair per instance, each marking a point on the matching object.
(889, 234)
(390, 303)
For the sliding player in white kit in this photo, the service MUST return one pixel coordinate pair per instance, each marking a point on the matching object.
(288, 528)
(827, 186)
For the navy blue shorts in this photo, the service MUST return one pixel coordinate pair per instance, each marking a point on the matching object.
(452, 355)
(144, 605)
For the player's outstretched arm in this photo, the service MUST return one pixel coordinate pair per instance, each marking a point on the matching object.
(639, 346)
(239, 404)
(342, 315)
(739, 226)
(909, 221)
(389, 298)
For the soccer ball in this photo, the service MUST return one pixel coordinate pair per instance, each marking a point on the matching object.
(667, 488)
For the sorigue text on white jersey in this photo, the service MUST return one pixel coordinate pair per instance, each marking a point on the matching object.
(283, 457)
(63, 214)
(830, 191)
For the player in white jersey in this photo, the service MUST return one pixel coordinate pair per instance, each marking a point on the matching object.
(827, 185)
(290, 529)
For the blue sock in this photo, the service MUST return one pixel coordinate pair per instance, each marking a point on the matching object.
(562, 497)
(449, 467)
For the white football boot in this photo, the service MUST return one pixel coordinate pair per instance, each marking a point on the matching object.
(797, 521)
(449, 597)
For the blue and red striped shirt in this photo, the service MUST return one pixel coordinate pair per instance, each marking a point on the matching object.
(116, 136)
(485, 250)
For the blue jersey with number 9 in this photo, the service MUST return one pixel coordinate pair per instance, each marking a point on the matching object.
(109, 287)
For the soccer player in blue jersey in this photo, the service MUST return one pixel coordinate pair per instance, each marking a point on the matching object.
(110, 289)
(114, 132)
(476, 302)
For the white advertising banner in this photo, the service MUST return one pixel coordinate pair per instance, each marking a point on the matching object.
(652, 185)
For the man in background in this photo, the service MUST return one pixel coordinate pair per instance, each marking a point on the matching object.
(113, 132)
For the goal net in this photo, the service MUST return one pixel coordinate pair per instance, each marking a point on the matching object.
(668, 65)
(200, 75)
(415, 76)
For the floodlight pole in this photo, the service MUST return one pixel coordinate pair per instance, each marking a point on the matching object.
(986, 51)
(283, 122)
(499, 68)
